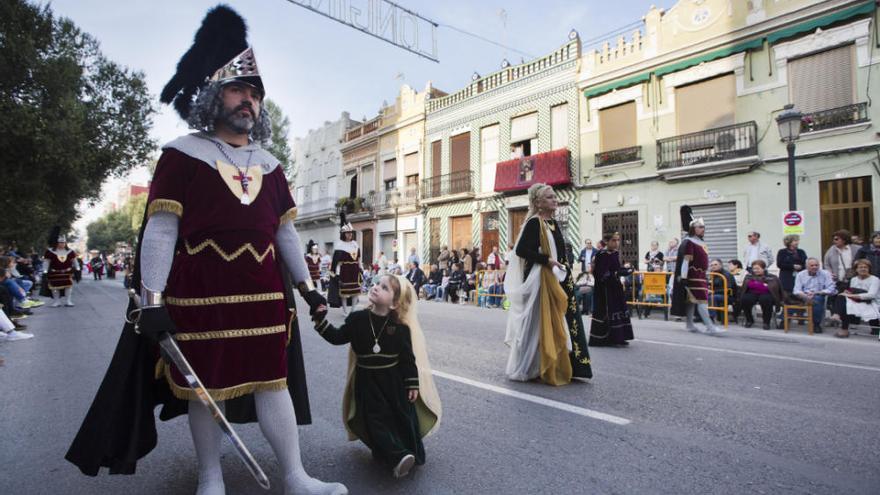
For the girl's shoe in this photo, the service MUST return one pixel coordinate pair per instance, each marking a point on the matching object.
(403, 467)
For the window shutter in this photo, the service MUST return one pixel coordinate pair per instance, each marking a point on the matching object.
(488, 156)
(559, 127)
(822, 81)
(524, 127)
(389, 169)
(436, 165)
(706, 104)
(411, 164)
(617, 127)
(461, 152)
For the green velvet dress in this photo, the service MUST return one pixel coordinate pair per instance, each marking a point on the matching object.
(380, 414)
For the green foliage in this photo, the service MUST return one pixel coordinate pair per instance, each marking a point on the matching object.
(69, 119)
(279, 146)
(121, 225)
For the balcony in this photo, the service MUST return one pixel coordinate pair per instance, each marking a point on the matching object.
(732, 148)
(443, 186)
(363, 129)
(408, 198)
(518, 174)
(317, 207)
(617, 157)
(853, 116)
(359, 208)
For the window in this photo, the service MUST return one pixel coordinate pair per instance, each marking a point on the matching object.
(316, 191)
(300, 195)
(461, 152)
(353, 186)
(617, 127)
(390, 184)
(559, 127)
(411, 164)
(488, 156)
(706, 104)
(412, 180)
(822, 81)
(368, 183)
(523, 135)
(389, 170)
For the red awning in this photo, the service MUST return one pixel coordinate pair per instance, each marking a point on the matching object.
(550, 168)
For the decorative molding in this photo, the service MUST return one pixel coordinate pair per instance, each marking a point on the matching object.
(824, 39)
(705, 70)
(836, 131)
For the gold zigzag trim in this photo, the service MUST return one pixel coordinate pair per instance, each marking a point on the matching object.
(235, 254)
(168, 205)
(288, 215)
(186, 393)
(231, 334)
(239, 298)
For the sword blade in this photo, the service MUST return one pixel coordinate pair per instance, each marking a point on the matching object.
(169, 346)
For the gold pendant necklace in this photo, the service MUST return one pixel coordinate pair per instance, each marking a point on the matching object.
(376, 347)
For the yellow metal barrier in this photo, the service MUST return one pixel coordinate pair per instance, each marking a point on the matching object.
(655, 284)
(495, 277)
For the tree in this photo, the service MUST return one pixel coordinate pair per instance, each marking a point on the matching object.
(279, 146)
(120, 225)
(69, 119)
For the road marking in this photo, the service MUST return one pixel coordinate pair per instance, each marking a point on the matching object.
(562, 406)
(758, 354)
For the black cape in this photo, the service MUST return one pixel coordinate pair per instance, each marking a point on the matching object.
(120, 426)
(679, 292)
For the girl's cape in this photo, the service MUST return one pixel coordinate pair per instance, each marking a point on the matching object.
(428, 408)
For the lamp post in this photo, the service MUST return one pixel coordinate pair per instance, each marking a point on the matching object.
(394, 202)
(789, 123)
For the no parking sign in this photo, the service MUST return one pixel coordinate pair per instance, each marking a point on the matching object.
(793, 223)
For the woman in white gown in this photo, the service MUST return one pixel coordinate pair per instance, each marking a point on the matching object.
(537, 331)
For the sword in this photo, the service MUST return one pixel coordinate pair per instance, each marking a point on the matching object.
(172, 352)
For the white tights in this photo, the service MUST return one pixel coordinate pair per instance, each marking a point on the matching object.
(277, 420)
(703, 310)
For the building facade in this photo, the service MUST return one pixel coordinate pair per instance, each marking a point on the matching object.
(318, 181)
(358, 193)
(683, 112)
(488, 142)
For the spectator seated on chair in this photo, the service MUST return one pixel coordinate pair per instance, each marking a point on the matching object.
(717, 284)
(763, 288)
(457, 281)
(860, 301)
(813, 286)
(435, 278)
(584, 291)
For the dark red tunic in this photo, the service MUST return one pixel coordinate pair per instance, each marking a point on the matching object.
(314, 264)
(224, 292)
(698, 264)
(60, 272)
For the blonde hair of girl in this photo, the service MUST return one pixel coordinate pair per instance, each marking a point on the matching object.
(535, 192)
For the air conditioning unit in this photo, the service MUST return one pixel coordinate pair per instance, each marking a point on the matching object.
(725, 142)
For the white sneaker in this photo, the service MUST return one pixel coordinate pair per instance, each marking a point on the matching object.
(403, 467)
(56, 304)
(16, 335)
(69, 304)
(717, 330)
(693, 329)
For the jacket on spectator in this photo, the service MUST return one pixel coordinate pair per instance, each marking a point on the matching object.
(443, 260)
(785, 260)
(872, 254)
(764, 253)
(773, 285)
(833, 260)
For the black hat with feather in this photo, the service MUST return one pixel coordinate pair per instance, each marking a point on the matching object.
(219, 53)
(688, 220)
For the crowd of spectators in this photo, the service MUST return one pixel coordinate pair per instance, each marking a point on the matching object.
(19, 276)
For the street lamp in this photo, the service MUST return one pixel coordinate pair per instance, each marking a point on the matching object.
(789, 122)
(394, 202)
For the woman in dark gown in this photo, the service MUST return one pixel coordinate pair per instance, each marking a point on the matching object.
(611, 324)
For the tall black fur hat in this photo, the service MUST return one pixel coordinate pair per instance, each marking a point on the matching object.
(54, 235)
(687, 216)
(221, 37)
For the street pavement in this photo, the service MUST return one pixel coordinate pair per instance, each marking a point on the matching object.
(750, 412)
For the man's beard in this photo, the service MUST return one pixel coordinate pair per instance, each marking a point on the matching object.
(237, 123)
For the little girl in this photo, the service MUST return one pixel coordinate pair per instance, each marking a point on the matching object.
(390, 401)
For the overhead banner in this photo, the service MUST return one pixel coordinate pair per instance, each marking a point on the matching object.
(382, 19)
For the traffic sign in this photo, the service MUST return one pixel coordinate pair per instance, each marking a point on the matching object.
(793, 223)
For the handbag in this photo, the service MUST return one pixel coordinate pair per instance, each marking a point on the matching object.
(849, 273)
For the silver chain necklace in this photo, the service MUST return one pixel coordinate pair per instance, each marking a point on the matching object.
(242, 174)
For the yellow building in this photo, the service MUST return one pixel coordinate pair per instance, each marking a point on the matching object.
(684, 112)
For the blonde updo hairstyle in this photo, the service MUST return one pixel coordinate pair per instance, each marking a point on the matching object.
(404, 297)
(535, 192)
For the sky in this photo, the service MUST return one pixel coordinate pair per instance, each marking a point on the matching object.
(316, 68)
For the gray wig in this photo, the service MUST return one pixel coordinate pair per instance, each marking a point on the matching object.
(208, 107)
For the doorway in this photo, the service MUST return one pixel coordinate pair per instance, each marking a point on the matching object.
(490, 234)
(367, 246)
(627, 224)
(517, 217)
(460, 232)
(846, 204)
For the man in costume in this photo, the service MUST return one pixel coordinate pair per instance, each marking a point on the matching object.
(690, 287)
(62, 263)
(345, 270)
(218, 238)
(313, 261)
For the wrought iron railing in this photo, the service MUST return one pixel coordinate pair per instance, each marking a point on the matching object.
(408, 196)
(835, 117)
(711, 145)
(443, 185)
(615, 157)
(358, 205)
